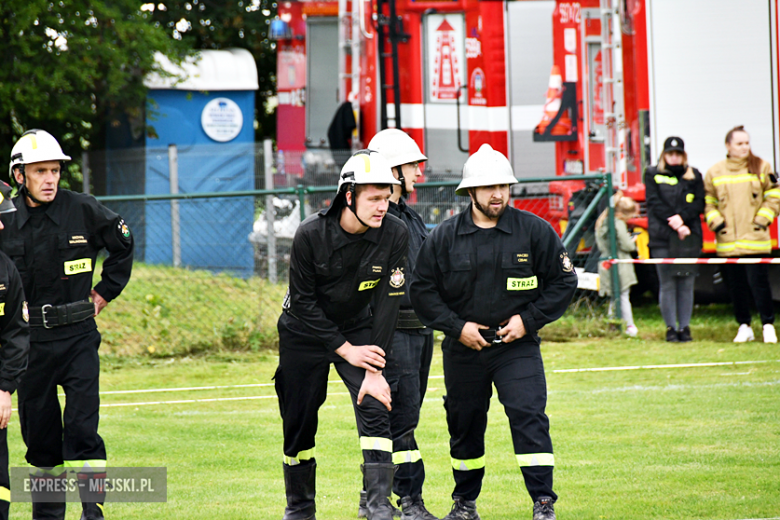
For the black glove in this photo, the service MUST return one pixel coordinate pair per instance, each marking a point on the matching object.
(720, 228)
(758, 227)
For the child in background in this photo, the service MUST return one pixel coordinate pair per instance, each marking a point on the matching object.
(625, 209)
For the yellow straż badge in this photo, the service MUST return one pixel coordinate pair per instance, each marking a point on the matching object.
(83, 265)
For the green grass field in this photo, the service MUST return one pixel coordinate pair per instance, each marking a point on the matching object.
(676, 443)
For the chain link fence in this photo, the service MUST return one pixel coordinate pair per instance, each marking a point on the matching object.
(211, 267)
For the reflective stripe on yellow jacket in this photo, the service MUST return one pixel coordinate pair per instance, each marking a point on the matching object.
(745, 202)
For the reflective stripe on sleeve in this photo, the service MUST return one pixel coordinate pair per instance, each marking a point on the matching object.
(5, 494)
(468, 464)
(734, 179)
(535, 459)
(709, 199)
(773, 193)
(403, 457)
(712, 215)
(376, 443)
(301, 456)
(766, 213)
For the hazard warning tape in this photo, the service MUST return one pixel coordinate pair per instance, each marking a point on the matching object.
(608, 263)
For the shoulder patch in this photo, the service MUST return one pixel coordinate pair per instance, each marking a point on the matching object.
(25, 312)
(397, 278)
(566, 265)
(123, 229)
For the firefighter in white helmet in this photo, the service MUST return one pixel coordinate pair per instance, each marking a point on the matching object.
(54, 238)
(346, 283)
(490, 278)
(412, 341)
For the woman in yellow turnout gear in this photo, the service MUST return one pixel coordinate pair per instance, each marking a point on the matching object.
(742, 199)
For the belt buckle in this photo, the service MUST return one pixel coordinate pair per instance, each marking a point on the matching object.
(44, 308)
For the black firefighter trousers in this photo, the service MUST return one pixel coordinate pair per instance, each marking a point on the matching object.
(72, 363)
(301, 382)
(517, 371)
(407, 373)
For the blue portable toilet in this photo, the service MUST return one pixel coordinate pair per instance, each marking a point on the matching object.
(209, 116)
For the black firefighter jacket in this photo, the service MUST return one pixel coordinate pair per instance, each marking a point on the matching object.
(466, 273)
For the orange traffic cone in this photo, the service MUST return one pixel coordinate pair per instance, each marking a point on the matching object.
(553, 105)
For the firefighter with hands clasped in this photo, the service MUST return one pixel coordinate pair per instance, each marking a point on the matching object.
(490, 278)
(407, 374)
(14, 345)
(347, 278)
(54, 238)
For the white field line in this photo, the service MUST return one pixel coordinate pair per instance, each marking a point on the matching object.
(261, 385)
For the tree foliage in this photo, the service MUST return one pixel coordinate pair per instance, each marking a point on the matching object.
(72, 67)
(216, 24)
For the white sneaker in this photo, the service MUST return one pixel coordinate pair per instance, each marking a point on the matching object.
(745, 334)
(770, 336)
(632, 331)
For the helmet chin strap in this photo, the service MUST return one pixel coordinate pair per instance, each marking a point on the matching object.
(25, 192)
(352, 205)
(399, 170)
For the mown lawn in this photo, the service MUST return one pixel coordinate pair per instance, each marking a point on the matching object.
(663, 443)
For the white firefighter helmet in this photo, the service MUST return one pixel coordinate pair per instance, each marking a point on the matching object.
(397, 147)
(366, 167)
(486, 167)
(35, 146)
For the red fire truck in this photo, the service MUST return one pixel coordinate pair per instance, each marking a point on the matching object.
(456, 74)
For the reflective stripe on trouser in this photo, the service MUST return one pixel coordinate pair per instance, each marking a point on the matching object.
(407, 374)
(5, 486)
(517, 371)
(53, 436)
(301, 382)
(301, 456)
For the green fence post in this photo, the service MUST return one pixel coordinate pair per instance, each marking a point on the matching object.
(613, 250)
(301, 191)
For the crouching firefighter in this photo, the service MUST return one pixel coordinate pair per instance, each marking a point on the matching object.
(412, 341)
(54, 238)
(346, 282)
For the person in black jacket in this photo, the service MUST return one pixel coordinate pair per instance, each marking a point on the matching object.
(347, 278)
(412, 341)
(674, 192)
(490, 278)
(14, 347)
(54, 238)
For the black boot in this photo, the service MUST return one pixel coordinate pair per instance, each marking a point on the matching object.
(671, 335)
(378, 478)
(299, 484)
(48, 510)
(414, 509)
(92, 490)
(363, 509)
(48, 497)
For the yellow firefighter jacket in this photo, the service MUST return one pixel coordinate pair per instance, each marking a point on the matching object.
(746, 202)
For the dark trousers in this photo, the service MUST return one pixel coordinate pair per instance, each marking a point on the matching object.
(749, 283)
(517, 371)
(53, 437)
(301, 382)
(407, 373)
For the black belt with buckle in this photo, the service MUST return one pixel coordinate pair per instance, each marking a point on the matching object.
(407, 319)
(50, 316)
(490, 336)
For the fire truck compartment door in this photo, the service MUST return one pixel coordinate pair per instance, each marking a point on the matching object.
(710, 69)
(322, 77)
(530, 45)
(445, 72)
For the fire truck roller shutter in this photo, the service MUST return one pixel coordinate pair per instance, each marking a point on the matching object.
(322, 77)
(722, 49)
(529, 42)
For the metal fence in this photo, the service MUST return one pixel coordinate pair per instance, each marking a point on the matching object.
(235, 245)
